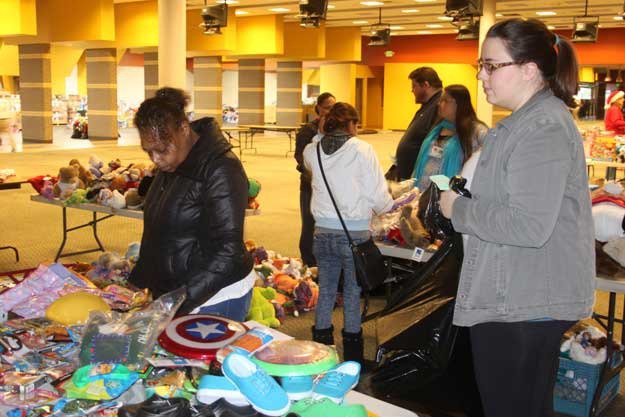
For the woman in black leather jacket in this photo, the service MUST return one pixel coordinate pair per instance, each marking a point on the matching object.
(194, 211)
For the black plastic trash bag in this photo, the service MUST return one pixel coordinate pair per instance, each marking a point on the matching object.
(430, 215)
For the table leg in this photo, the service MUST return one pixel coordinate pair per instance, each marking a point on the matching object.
(610, 173)
(94, 225)
(290, 134)
(58, 253)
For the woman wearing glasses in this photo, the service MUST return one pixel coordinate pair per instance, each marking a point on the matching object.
(529, 263)
(452, 140)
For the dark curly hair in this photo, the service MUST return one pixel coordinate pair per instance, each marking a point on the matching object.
(158, 116)
(339, 117)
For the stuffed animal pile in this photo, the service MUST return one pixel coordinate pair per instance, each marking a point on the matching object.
(113, 184)
(286, 284)
(588, 345)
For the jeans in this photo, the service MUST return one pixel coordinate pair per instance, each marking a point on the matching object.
(235, 309)
(333, 254)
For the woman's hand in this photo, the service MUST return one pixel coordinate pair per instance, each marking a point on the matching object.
(447, 202)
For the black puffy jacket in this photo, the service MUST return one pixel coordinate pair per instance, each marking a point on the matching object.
(193, 223)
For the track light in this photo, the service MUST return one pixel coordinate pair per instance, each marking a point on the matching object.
(214, 18)
(380, 33)
(585, 28)
(312, 12)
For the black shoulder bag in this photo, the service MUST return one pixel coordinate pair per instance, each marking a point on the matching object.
(370, 266)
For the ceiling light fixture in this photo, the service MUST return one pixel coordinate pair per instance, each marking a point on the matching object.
(433, 26)
(279, 9)
(424, 32)
(458, 9)
(410, 11)
(546, 13)
(425, 1)
(619, 77)
(608, 77)
(241, 12)
(397, 27)
(380, 33)
(331, 6)
(360, 22)
(372, 3)
(445, 18)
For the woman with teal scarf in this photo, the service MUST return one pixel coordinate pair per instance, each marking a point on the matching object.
(452, 140)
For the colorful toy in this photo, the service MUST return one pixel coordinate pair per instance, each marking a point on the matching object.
(67, 183)
(261, 308)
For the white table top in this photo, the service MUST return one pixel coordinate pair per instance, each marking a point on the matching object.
(616, 285)
(135, 214)
(401, 253)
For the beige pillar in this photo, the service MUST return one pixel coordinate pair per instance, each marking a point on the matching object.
(36, 92)
(102, 93)
(150, 73)
(484, 108)
(251, 91)
(207, 87)
(289, 102)
(172, 43)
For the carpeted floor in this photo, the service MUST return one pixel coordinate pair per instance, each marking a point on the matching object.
(36, 228)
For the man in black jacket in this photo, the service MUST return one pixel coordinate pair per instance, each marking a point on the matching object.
(194, 211)
(426, 87)
(325, 101)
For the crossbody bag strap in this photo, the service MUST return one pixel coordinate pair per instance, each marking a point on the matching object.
(323, 174)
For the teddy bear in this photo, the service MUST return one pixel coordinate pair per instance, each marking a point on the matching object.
(112, 199)
(411, 228)
(110, 268)
(85, 175)
(306, 295)
(67, 183)
(261, 308)
(79, 196)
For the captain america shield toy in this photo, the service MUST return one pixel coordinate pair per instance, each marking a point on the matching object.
(199, 336)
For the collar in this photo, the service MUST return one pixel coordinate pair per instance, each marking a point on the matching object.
(540, 96)
(434, 99)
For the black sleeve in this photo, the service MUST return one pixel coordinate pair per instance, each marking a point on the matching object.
(304, 137)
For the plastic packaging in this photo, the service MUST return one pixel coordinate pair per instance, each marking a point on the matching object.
(128, 338)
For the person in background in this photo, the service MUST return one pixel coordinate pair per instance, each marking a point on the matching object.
(194, 211)
(452, 140)
(529, 263)
(357, 183)
(614, 113)
(427, 88)
(325, 101)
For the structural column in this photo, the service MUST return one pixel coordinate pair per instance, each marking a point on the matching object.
(251, 91)
(289, 102)
(36, 92)
(484, 108)
(150, 73)
(102, 93)
(172, 43)
(207, 87)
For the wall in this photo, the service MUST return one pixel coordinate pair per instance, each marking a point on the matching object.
(130, 88)
(399, 107)
(340, 80)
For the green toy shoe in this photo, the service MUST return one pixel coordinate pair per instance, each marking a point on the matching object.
(326, 408)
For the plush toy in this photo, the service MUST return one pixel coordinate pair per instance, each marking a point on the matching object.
(85, 175)
(79, 196)
(306, 295)
(67, 183)
(110, 268)
(95, 166)
(119, 183)
(284, 283)
(133, 200)
(261, 309)
(411, 229)
(132, 253)
(252, 192)
(112, 199)
(48, 189)
(294, 268)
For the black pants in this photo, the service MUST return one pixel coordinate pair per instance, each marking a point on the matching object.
(516, 366)
(308, 224)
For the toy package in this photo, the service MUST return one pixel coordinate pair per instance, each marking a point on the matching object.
(128, 338)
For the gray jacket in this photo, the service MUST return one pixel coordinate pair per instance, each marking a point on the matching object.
(530, 252)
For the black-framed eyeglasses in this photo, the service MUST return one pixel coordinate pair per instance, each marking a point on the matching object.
(490, 68)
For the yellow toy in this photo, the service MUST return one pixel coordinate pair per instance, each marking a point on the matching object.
(74, 308)
(261, 309)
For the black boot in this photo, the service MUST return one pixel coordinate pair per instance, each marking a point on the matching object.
(353, 347)
(325, 336)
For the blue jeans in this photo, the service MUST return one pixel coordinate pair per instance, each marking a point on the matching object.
(235, 309)
(333, 254)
